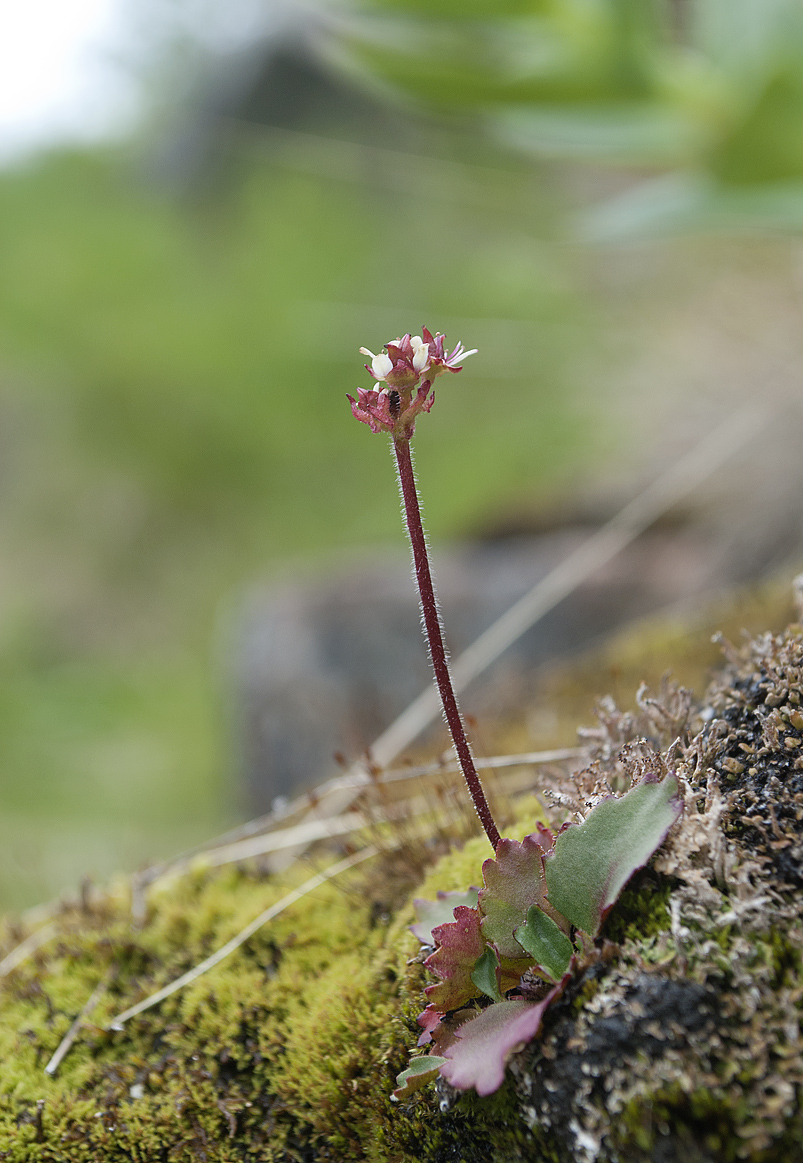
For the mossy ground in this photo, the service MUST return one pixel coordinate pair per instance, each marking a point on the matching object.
(682, 1042)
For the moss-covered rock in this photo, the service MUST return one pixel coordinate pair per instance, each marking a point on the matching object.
(681, 1041)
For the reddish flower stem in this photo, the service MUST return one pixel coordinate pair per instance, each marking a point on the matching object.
(434, 634)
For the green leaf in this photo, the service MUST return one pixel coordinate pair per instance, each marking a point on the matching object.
(543, 940)
(692, 203)
(593, 861)
(420, 1071)
(485, 974)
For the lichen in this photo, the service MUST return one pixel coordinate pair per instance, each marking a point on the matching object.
(681, 1042)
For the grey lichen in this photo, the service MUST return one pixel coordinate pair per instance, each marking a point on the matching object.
(685, 1043)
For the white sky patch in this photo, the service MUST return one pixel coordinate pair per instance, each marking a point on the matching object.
(62, 76)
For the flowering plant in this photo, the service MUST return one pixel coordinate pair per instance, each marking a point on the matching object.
(510, 949)
(504, 953)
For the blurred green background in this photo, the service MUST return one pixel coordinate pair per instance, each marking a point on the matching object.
(180, 314)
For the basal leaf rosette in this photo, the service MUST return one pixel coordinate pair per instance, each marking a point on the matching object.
(504, 961)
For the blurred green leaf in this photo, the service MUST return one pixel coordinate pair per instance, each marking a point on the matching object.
(565, 51)
(766, 145)
(636, 135)
(711, 92)
(678, 204)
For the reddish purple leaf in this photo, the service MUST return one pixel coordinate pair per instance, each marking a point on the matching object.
(439, 912)
(482, 1046)
(514, 881)
(544, 836)
(428, 1020)
(439, 1030)
(460, 944)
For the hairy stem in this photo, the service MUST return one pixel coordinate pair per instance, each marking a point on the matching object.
(434, 633)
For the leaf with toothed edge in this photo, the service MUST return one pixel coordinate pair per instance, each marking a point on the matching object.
(544, 836)
(460, 945)
(429, 1019)
(513, 882)
(420, 1071)
(593, 861)
(439, 912)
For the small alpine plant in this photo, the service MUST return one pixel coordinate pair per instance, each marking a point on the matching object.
(505, 952)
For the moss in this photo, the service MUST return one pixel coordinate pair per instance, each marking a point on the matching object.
(696, 1128)
(681, 645)
(642, 910)
(289, 1049)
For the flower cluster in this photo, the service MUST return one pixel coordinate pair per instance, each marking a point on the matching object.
(405, 370)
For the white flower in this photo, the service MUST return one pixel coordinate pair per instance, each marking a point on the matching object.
(381, 364)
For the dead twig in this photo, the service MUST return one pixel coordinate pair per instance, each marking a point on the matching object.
(262, 836)
(275, 841)
(24, 950)
(66, 1042)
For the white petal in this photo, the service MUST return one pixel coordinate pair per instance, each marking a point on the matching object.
(420, 356)
(381, 364)
(416, 341)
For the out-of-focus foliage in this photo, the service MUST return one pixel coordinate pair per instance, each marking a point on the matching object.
(174, 428)
(708, 93)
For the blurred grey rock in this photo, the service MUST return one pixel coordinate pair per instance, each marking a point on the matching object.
(323, 665)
